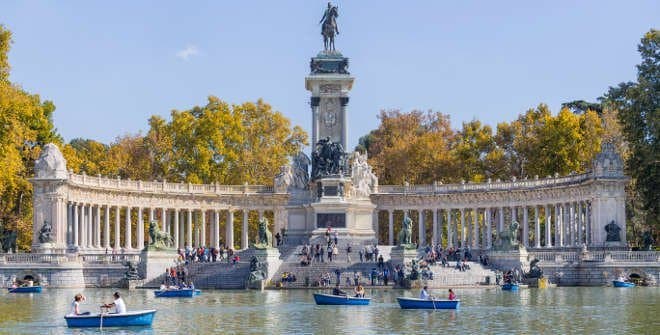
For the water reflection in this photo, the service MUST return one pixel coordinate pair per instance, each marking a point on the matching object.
(597, 310)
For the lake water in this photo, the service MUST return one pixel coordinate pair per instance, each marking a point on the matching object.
(565, 310)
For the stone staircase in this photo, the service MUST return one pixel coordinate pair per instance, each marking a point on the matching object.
(449, 276)
(219, 275)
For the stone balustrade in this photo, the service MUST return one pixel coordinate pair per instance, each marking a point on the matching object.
(37, 258)
(484, 187)
(596, 256)
(164, 187)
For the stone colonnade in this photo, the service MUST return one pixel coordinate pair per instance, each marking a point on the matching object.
(564, 224)
(100, 226)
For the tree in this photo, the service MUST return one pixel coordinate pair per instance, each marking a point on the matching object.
(25, 126)
(639, 113)
(474, 145)
(581, 106)
(412, 147)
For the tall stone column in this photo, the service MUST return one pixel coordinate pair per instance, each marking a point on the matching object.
(244, 232)
(69, 225)
(525, 226)
(140, 228)
(488, 220)
(182, 228)
(572, 223)
(83, 226)
(75, 225)
(390, 226)
(537, 227)
(216, 229)
(450, 233)
(175, 228)
(97, 226)
(548, 228)
(475, 219)
(230, 228)
(435, 227)
(128, 244)
(374, 224)
(163, 220)
(559, 216)
(422, 229)
(463, 229)
(202, 234)
(106, 227)
(587, 219)
(500, 222)
(189, 229)
(150, 217)
(117, 244)
(580, 223)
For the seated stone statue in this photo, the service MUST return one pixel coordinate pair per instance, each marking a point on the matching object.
(613, 231)
(45, 233)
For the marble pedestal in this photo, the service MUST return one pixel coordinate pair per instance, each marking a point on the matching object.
(153, 266)
(270, 257)
(511, 259)
(401, 256)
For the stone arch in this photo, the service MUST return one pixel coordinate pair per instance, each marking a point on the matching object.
(36, 277)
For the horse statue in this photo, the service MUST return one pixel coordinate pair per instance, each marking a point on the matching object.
(159, 239)
(264, 236)
(329, 27)
(405, 235)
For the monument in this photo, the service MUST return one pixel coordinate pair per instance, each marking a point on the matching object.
(337, 192)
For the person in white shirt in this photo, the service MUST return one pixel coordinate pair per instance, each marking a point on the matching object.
(75, 305)
(423, 294)
(118, 304)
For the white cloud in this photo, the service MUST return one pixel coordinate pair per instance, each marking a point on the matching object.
(188, 52)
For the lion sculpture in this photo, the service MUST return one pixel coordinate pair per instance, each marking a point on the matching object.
(264, 236)
(159, 239)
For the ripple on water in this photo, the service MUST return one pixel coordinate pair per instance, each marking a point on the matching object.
(586, 310)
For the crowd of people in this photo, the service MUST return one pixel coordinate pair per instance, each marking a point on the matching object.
(205, 254)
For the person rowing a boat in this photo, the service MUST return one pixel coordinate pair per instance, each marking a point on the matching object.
(424, 294)
(338, 291)
(118, 304)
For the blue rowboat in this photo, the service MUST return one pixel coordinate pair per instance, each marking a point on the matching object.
(416, 303)
(329, 299)
(510, 287)
(184, 292)
(134, 318)
(25, 289)
(619, 283)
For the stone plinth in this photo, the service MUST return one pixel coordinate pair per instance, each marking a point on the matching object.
(512, 259)
(270, 257)
(402, 256)
(153, 266)
(349, 217)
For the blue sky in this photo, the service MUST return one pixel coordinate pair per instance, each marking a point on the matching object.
(109, 65)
